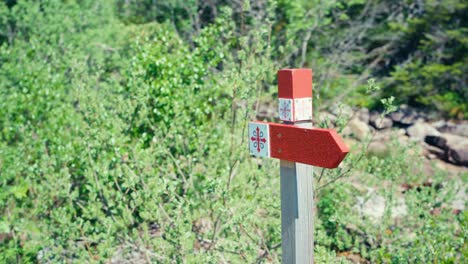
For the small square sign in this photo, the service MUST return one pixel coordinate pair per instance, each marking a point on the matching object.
(259, 139)
(285, 109)
(303, 109)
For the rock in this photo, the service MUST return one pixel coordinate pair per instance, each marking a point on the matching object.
(376, 120)
(448, 147)
(363, 115)
(420, 130)
(358, 128)
(402, 138)
(451, 148)
(439, 124)
(409, 119)
(378, 148)
(458, 156)
(380, 122)
(404, 116)
(372, 206)
(350, 142)
(461, 130)
(342, 110)
(457, 149)
(401, 132)
(411, 115)
(265, 112)
(384, 135)
(452, 128)
(397, 116)
(326, 117)
(459, 200)
(437, 141)
(434, 152)
(373, 116)
(399, 209)
(346, 132)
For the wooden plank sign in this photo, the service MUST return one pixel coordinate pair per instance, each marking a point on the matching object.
(313, 146)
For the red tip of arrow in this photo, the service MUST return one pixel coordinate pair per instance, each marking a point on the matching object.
(314, 146)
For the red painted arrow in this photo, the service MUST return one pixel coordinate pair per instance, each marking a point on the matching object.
(313, 146)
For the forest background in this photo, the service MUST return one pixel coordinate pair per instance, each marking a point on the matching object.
(122, 127)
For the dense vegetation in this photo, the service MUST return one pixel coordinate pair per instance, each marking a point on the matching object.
(122, 127)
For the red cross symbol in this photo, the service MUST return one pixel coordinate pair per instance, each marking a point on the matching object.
(285, 110)
(258, 139)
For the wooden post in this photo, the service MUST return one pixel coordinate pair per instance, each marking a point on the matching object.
(297, 191)
(297, 219)
(298, 146)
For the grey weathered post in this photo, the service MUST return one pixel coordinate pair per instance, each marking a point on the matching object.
(297, 219)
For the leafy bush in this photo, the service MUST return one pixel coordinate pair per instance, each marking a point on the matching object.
(123, 138)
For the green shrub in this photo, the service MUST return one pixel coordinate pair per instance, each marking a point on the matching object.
(126, 140)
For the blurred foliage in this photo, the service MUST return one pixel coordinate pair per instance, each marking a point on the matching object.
(417, 48)
(122, 125)
(428, 62)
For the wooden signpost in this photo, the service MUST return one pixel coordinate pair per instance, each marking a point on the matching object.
(298, 146)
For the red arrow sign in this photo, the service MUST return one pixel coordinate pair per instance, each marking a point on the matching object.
(313, 146)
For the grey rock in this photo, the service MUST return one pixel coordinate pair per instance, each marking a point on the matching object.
(439, 124)
(326, 117)
(432, 152)
(401, 132)
(397, 116)
(458, 156)
(265, 112)
(404, 116)
(420, 130)
(363, 115)
(455, 147)
(457, 151)
(373, 116)
(453, 128)
(358, 128)
(378, 148)
(448, 147)
(437, 141)
(409, 118)
(460, 199)
(400, 208)
(342, 110)
(346, 132)
(373, 206)
(380, 122)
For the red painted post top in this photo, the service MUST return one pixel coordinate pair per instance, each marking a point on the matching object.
(294, 83)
